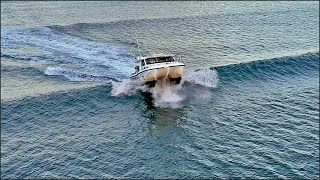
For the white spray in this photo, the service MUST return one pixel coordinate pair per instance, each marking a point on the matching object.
(166, 94)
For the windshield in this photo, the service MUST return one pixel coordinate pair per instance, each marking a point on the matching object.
(159, 60)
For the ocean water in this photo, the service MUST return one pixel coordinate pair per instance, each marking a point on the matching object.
(247, 107)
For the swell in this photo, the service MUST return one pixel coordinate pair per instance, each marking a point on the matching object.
(269, 69)
(141, 22)
(84, 59)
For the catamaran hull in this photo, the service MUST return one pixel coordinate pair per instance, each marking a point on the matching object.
(151, 76)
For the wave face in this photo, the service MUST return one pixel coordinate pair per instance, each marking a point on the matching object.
(271, 69)
(247, 106)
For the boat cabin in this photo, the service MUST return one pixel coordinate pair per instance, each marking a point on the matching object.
(154, 59)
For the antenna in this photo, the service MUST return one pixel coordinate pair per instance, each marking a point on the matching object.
(138, 44)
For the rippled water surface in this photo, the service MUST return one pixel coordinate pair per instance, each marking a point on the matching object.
(247, 107)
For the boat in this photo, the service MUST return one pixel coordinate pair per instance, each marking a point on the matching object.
(155, 67)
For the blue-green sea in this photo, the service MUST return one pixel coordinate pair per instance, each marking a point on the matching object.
(247, 105)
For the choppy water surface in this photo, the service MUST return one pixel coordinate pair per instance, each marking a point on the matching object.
(248, 105)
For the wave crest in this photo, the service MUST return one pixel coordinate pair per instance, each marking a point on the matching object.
(204, 77)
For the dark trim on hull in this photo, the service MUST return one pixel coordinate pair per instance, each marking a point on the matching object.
(152, 84)
(175, 80)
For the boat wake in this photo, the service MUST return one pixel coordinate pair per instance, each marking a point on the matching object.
(61, 54)
(74, 75)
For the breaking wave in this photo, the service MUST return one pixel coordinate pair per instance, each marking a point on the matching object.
(203, 77)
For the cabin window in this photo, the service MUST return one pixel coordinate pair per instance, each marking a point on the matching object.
(150, 61)
(166, 59)
(159, 60)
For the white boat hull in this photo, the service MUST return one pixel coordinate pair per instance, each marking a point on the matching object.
(155, 73)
